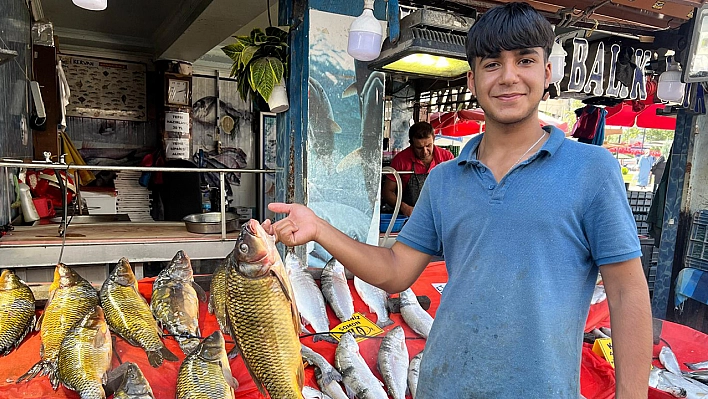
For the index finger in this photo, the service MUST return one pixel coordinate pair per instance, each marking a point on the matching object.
(280, 207)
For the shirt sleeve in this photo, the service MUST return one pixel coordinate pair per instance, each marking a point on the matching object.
(420, 232)
(398, 164)
(608, 222)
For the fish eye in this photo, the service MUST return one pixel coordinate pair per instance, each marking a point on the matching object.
(243, 248)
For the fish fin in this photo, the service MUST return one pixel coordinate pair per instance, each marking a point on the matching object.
(201, 294)
(154, 358)
(168, 355)
(99, 339)
(233, 353)
(38, 322)
(188, 345)
(324, 337)
(350, 392)
(383, 322)
(300, 374)
(211, 308)
(351, 90)
(233, 383)
(258, 382)
(52, 372)
(352, 159)
(33, 371)
(41, 349)
(281, 275)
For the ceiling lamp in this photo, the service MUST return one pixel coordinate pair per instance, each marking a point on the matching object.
(365, 32)
(93, 5)
(432, 44)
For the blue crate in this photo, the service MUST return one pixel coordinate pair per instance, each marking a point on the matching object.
(397, 224)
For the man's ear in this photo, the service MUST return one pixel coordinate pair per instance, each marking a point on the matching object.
(547, 72)
(470, 83)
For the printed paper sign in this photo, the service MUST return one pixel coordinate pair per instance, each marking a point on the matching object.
(603, 347)
(177, 148)
(439, 287)
(177, 122)
(362, 328)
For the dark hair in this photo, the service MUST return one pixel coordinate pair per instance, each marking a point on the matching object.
(512, 26)
(420, 130)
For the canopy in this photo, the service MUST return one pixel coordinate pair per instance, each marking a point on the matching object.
(633, 113)
(471, 121)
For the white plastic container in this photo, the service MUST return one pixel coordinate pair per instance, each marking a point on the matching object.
(278, 100)
(29, 212)
(365, 33)
(670, 88)
(557, 59)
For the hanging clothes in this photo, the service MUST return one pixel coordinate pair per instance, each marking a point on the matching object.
(586, 127)
(655, 217)
(599, 138)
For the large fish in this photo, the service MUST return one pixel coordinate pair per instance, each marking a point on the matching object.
(308, 297)
(327, 376)
(175, 301)
(85, 356)
(71, 298)
(698, 366)
(414, 315)
(336, 290)
(206, 373)
(321, 126)
(376, 299)
(668, 359)
(413, 371)
(134, 385)
(356, 374)
(204, 111)
(129, 315)
(263, 317)
(16, 311)
(393, 362)
(217, 296)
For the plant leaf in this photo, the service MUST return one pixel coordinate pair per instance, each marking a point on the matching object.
(274, 31)
(247, 55)
(232, 51)
(265, 74)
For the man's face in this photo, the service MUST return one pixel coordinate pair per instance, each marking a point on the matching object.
(423, 149)
(509, 85)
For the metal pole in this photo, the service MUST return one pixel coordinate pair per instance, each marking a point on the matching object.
(222, 196)
(129, 168)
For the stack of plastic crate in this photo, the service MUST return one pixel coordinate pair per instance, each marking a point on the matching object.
(697, 253)
(640, 201)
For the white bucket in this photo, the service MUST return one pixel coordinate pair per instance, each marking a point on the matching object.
(278, 101)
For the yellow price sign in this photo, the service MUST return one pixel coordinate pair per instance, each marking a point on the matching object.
(362, 328)
(603, 347)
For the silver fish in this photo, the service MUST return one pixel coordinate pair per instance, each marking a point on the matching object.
(657, 380)
(327, 376)
(312, 393)
(356, 374)
(668, 359)
(308, 297)
(694, 389)
(697, 366)
(393, 362)
(336, 290)
(413, 371)
(698, 375)
(376, 299)
(414, 315)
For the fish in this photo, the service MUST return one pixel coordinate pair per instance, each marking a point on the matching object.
(129, 315)
(657, 380)
(204, 111)
(376, 299)
(327, 376)
(697, 366)
(308, 297)
(85, 356)
(694, 389)
(345, 218)
(205, 373)
(414, 315)
(668, 359)
(217, 297)
(356, 374)
(175, 301)
(17, 316)
(335, 290)
(607, 331)
(312, 393)
(393, 362)
(413, 371)
(134, 385)
(263, 317)
(71, 298)
(321, 126)
(698, 375)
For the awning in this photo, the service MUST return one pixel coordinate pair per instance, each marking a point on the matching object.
(633, 113)
(471, 121)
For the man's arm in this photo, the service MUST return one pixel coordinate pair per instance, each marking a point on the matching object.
(630, 312)
(391, 269)
(390, 193)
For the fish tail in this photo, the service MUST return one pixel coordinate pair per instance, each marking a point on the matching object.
(168, 355)
(384, 322)
(155, 358)
(41, 367)
(188, 344)
(324, 337)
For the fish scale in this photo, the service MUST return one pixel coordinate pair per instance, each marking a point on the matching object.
(217, 297)
(203, 372)
(16, 311)
(262, 311)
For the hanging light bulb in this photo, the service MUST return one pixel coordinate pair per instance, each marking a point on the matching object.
(557, 59)
(670, 88)
(365, 35)
(93, 5)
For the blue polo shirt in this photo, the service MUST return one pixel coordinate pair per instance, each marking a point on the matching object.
(522, 257)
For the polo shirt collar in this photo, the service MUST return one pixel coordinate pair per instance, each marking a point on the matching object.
(469, 152)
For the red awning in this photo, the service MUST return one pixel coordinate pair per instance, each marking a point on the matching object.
(632, 113)
(471, 121)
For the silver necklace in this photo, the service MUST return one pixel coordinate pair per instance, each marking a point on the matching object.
(527, 151)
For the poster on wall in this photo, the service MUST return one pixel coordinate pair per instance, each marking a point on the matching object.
(105, 89)
(268, 130)
(345, 134)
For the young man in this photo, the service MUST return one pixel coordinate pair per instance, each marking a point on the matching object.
(420, 157)
(524, 218)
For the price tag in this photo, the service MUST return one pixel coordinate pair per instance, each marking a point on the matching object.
(603, 347)
(177, 122)
(362, 328)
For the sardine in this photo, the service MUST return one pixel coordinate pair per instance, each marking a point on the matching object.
(327, 376)
(697, 366)
(17, 316)
(336, 290)
(668, 359)
(263, 317)
(393, 362)
(308, 297)
(414, 315)
(356, 374)
(217, 296)
(376, 299)
(206, 373)
(129, 315)
(413, 371)
(71, 298)
(175, 303)
(134, 385)
(85, 356)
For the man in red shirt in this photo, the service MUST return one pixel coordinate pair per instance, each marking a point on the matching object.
(420, 157)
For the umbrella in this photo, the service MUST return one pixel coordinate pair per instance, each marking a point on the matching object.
(471, 121)
(629, 114)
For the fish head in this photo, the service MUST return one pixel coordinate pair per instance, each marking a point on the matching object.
(123, 273)
(9, 280)
(253, 250)
(292, 261)
(348, 343)
(64, 276)
(180, 267)
(134, 382)
(95, 319)
(408, 297)
(213, 347)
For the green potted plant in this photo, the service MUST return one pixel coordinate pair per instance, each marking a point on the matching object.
(260, 62)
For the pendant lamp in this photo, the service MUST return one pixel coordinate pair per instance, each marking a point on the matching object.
(365, 33)
(93, 5)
